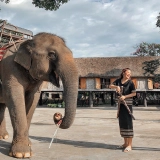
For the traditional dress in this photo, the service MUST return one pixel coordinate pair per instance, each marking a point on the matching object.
(125, 119)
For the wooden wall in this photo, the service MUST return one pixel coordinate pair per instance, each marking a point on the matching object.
(82, 84)
(95, 83)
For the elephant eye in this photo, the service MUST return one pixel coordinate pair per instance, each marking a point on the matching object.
(52, 55)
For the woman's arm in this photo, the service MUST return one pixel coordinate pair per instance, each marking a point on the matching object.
(128, 96)
(112, 86)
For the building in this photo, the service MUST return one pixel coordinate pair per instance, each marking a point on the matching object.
(95, 75)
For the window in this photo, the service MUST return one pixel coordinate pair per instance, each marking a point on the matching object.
(105, 82)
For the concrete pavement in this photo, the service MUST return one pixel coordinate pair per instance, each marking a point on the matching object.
(93, 136)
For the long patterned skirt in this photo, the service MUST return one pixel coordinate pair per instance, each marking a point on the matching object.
(125, 122)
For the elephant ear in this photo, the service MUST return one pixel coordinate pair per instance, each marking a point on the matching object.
(23, 55)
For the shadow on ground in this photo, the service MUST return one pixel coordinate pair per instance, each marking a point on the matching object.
(4, 147)
(88, 144)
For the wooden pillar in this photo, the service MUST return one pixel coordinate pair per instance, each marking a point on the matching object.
(90, 99)
(40, 99)
(144, 99)
(112, 101)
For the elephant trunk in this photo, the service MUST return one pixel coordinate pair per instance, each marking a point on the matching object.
(69, 77)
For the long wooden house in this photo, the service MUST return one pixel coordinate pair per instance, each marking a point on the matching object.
(95, 75)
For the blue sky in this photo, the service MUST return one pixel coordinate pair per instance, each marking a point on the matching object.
(91, 28)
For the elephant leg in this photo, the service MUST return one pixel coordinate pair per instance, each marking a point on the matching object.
(31, 100)
(14, 97)
(3, 131)
(31, 103)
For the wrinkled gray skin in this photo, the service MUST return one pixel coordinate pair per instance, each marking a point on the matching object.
(44, 58)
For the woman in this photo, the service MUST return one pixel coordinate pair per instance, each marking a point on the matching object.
(125, 119)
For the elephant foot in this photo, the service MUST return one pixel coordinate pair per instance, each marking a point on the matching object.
(20, 155)
(20, 150)
(4, 134)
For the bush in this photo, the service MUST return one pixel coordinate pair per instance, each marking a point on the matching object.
(52, 105)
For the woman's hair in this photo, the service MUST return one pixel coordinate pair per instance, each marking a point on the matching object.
(123, 71)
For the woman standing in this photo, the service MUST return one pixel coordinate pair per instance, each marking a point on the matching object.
(125, 119)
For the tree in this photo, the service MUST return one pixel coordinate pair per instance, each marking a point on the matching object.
(158, 21)
(147, 49)
(6, 1)
(46, 4)
(149, 67)
(49, 4)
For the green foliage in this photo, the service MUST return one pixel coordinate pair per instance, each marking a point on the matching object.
(6, 1)
(63, 104)
(56, 105)
(49, 4)
(156, 78)
(147, 49)
(46, 4)
(158, 21)
(151, 66)
(52, 105)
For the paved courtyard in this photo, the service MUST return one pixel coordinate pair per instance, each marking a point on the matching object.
(93, 136)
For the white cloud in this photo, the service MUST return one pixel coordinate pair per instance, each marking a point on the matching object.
(15, 2)
(91, 27)
(83, 45)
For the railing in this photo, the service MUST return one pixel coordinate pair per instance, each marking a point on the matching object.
(10, 33)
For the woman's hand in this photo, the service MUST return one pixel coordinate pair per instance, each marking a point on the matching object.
(118, 89)
(122, 98)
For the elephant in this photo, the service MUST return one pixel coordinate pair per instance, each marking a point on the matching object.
(23, 69)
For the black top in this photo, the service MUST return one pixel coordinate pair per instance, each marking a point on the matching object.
(128, 87)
